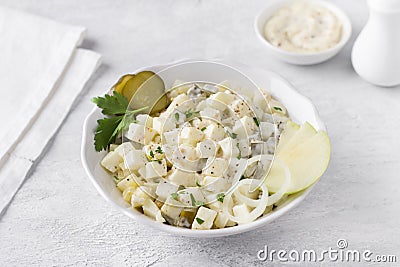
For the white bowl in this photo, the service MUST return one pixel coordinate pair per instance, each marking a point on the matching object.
(299, 58)
(299, 107)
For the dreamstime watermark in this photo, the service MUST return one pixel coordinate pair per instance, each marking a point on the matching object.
(340, 253)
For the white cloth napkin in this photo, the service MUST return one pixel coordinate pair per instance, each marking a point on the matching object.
(41, 74)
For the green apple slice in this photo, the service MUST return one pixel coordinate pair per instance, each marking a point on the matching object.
(291, 129)
(305, 132)
(307, 161)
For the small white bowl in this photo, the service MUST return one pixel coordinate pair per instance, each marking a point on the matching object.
(299, 107)
(299, 58)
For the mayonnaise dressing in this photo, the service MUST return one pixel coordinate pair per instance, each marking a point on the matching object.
(303, 27)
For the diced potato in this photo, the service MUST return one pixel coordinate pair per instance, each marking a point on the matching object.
(241, 210)
(249, 124)
(134, 160)
(179, 177)
(163, 124)
(267, 130)
(130, 181)
(240, 108)
(171, 137)
(244, 148)
(111, 161)
(171, 210)
(204, 219)
(215, 184)
(188, 152)
(165, 189)
(200, 124)
(191, 135)
(140, 133)
(215, 132)
(151, 209)
(191, 196)
(145, 119)
(216, 167)
(220, 100)
(229, 148)
(156, 169)
(182, 103)
(211, 114)
(124, 148)
(139, 196)
(127, 193)
(206, 148)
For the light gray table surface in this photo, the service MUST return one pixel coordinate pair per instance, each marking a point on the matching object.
(57, 217)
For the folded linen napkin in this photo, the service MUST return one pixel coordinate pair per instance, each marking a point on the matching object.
(41, 74)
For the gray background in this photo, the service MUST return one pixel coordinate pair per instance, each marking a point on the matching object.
(57, 218)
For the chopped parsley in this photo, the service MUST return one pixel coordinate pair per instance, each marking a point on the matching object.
(174, 196)
(196, 203)
(191, 113)
(159, 150)
(239, 156)
(197, 183)
(241, 177)
(257, 121)
(177, 116)
(202, 129)
(199, 221)
(233, 135)
(116, 178)
(151, 153)
(278, 108)
(220, 197)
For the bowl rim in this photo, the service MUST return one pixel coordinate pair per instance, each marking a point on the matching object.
(276, 4)
(179, 231)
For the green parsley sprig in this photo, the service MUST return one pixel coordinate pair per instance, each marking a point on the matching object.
(118, 118)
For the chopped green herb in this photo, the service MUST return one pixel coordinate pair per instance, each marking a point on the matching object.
(177, 116)
(193, 200)
(233, 135)
(220, 197)
(257, 121)
(151, 153)
(200, 203)
(174, 196)
(159, 150)
(191, 113)
(241, 177)
(239, 156)
(199, 221)
(197, 183)
(278, 108)
(202, 129)
(116, 178)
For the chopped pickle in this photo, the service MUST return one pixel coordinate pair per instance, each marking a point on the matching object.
(146, 89)
(119, 86)
(186, 218)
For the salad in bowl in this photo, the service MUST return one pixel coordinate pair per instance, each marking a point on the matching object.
(193, 150)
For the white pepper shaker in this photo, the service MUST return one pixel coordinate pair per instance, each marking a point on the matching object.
(376, 52)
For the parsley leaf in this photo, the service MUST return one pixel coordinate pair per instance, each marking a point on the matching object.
(112, 104)
(202, 129)
(119, 118)
(233, 135)
(220, 197)
(193, 200)
(199, 221)
(151, 153)
(278, 108)
(257, 121)
(105, 132)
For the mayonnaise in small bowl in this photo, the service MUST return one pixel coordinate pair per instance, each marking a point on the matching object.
(303, 32)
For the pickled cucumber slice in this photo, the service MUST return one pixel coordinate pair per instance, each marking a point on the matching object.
(146, 89)
(119, 86)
